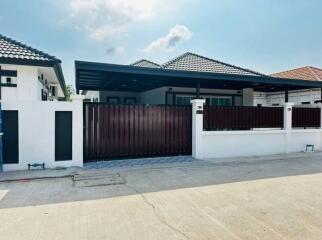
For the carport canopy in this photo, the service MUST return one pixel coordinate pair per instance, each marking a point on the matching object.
(112, 77)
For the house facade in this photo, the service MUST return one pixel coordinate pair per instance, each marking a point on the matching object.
(298, 97)
(144, 109)
(36, 126)
(28, 74)
(180, 96)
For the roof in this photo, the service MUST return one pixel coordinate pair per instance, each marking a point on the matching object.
(194, 62)
(197, 63)
(303, 73)
(12, 49)
(14, 52)
(115, 77)
(145, 63)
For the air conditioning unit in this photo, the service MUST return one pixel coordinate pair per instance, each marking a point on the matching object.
(53, 91)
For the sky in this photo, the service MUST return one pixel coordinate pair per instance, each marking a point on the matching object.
(265, 36)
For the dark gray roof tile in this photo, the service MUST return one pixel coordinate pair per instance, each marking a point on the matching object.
(145, 63)
(193, 62)
(10, 48)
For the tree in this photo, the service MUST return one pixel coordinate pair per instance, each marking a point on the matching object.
(69, 92)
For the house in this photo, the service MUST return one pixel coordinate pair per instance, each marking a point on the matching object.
(298, 97)
(305, 96)
(29, 74)
(176, 95)
(36, 128)
(144, 109)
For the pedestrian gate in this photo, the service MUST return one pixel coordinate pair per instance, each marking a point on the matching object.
(120, 131)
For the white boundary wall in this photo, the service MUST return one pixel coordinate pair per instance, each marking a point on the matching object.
(36, 121)
(225, 144)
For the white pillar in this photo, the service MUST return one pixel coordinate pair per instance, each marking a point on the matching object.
(288, 107)
(197, 127)
(77, 101)
(320, 106)
(248, 97)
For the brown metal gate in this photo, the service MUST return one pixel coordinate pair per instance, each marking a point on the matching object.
(116, 131)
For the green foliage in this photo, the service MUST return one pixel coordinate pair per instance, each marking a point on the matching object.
(69, 91)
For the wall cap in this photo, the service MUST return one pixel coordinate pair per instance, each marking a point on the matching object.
(77, 97)
(198, 101)
(289, 104)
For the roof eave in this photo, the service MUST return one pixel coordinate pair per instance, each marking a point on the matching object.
(28, 62)
(60, 76)
(192, 74)
(56, 65)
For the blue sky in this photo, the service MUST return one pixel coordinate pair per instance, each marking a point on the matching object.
(266, 36)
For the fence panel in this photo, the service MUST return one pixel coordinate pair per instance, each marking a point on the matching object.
(242, 118)
(306, 117)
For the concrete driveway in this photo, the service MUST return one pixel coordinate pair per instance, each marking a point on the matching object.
(250, 198)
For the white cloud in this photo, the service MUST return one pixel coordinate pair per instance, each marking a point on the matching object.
(176, 35)
(103, 19)
(115, 50)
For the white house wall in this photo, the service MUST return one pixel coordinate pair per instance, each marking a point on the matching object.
(296, 97)
(122, 95)
(258, 143)
(155, 96)
(28, 86)
(27, 83)
(36, 121)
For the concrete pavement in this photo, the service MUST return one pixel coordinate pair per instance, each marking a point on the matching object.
(266, 199)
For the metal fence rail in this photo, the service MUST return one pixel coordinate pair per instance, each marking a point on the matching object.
(242, 118)
(306, 117)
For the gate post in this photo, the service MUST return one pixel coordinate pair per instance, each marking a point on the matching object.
(288, 111)
(77, 101)
(197, 127)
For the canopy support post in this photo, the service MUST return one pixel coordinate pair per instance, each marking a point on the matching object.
(286, 96)
(198, 90)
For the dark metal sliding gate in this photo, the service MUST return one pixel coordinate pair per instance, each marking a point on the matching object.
(116, 131)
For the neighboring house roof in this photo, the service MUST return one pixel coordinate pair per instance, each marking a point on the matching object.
(10, 48)
(145, 63)
(193, 62)
(14, 52)
(303, 73)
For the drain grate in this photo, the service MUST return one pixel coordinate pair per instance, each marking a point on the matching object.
(95, 180)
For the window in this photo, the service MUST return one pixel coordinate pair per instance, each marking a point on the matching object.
(305, 103)
(220, 101)
(53, 91)
(183, 100)
(130, 100)
(113, 100)
(44, 95)
(8, 80)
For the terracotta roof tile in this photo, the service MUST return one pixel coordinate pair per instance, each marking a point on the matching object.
(303, 73)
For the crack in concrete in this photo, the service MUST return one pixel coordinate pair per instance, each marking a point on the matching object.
(154, 208)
